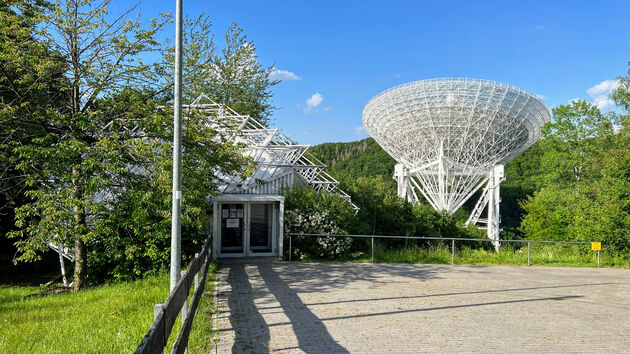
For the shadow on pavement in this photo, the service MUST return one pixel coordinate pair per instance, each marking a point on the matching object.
(446, 294)
(312, 335)
(250, 328)
(313, 277)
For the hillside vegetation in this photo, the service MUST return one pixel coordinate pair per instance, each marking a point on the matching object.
(366, 159)
(363, 158)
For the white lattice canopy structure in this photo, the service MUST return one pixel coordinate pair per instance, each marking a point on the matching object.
(279, 161)
(451, 137)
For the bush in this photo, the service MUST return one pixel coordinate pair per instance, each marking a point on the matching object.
(310, 212)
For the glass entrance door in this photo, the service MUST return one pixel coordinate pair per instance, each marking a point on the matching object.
(232, 228)
(261, 227)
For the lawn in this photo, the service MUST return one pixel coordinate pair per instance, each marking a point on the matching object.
(106, 319)
(540, 255)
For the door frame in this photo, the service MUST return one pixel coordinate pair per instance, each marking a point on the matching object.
(247, 199)
(243, 253)
(248, 229)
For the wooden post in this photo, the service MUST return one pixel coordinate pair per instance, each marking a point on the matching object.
(372, 249)
(197, 275)
(528, 253)
(452, 251)
(156, 310)
(290, 251)
(185, 306)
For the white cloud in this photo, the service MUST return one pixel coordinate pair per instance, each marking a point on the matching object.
(540, 97)
(313, 102)
(600, 93)
(326, 109)
(539, 27)
(283, 75)
(360, 131)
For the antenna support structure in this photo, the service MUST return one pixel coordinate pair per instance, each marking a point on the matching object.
(452, 137)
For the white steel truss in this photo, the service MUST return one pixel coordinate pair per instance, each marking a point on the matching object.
(279, 161)
(451, 137)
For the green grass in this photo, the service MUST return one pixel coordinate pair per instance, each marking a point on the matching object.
(541, 255)
(201, 336)
(105, 319)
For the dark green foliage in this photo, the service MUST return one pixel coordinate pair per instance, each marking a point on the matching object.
(365, 172)
(521, 181)
(94, 150)
(583, 187)
(364, 158)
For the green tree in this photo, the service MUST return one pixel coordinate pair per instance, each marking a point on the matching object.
(31, 84)
(230, 74)
(71, 168)
(621, 97)
(522, 181)
(134, 232)
(574, 141)
(583, 190)
(382, 212)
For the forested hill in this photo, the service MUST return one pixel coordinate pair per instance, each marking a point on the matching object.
(363, 158)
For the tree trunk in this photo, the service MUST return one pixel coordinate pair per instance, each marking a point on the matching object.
(80, 264)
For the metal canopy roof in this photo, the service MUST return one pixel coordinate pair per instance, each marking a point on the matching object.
(279, 160)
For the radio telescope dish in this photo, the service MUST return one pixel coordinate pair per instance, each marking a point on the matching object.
(451, 137)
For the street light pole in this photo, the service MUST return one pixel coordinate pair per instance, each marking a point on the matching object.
(176, 218)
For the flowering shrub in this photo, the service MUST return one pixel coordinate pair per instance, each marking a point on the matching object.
(309, 212)
(318, 222)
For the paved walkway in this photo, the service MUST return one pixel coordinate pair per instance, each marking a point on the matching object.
(400, 308)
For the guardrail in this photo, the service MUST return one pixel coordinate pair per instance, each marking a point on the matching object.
(165, 314)
(452, 239)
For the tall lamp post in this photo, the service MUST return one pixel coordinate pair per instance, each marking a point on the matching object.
(176, 219)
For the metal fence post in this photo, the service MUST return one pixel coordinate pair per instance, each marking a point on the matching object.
(598, 258)
(290, 251)
(372, 249)
(452, 251)
(528, 253)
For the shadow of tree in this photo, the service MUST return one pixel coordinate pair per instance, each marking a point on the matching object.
(250, 329)
(313, 277)
(312, 335)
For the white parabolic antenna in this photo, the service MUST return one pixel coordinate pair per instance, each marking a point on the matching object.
(451, 137)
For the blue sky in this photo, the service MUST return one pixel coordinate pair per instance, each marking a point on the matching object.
(346, 52)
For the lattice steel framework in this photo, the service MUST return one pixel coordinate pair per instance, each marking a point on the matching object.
(279, 160)
(451, 137)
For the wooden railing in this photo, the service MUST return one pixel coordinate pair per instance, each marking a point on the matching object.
(165, 314)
